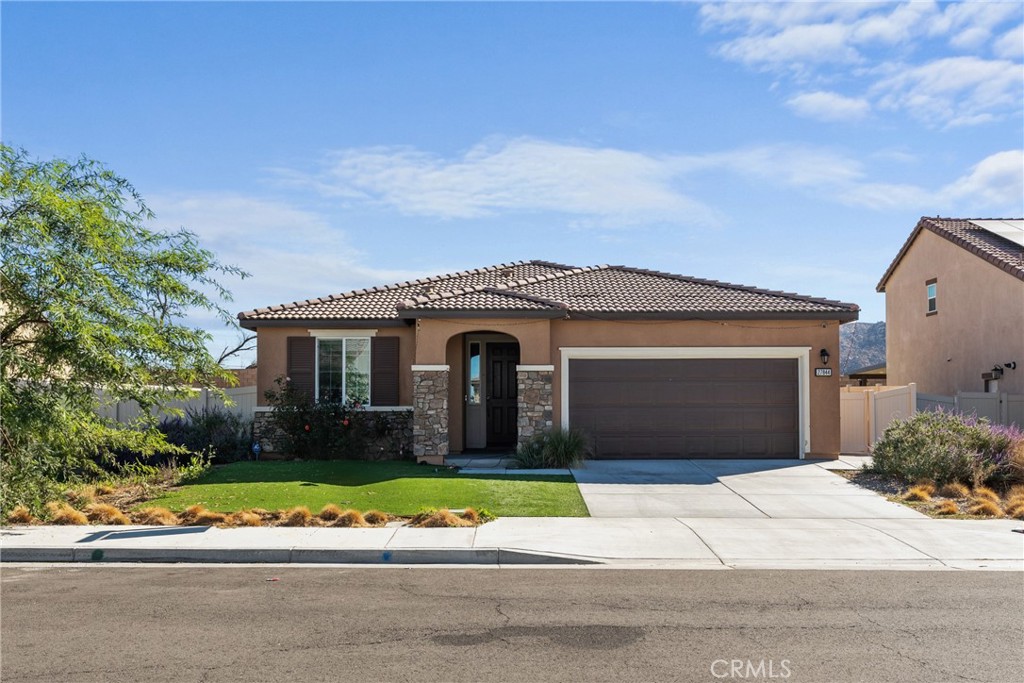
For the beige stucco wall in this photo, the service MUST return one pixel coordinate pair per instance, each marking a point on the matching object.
(272, 357)
(824, 391)
(440, 342)
(980, 320)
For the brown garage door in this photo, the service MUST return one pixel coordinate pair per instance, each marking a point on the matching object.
(692, 408)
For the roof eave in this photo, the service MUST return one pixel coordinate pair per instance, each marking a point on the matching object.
(322, 323)
(841, 316)
(410, 314)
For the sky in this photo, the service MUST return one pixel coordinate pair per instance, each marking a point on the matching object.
(330, 146)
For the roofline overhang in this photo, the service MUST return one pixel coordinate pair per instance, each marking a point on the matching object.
(841, 316)
(321, 323)
(413, 314)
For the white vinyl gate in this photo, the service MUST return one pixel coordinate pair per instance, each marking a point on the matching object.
(865, 412)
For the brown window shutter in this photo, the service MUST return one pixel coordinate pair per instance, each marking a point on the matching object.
(302, 365)
(384, 371)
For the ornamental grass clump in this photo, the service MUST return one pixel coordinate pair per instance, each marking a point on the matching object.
(946, 507)
(330, 512)
(20, 515)
(102, 513)
(954, 489)
(984, 493)
(1015, 507)
(62, 513)
(297, 516)
(350, 518)
(197, 515)
(244, 518)
(918, 494)
(985, 508)
(376, 517)
(434, 519)
(155, 516)
(557, 448)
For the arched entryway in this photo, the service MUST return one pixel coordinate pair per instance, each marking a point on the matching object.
(483, 397)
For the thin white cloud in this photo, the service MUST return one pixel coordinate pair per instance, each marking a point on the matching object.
(953, 91)
(829, 106)
(1010, 45)
(599, 186)
(275, 242)
(996, 181)
(871, 48)
(604, 187)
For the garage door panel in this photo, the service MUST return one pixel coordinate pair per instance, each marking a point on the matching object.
(713, 408)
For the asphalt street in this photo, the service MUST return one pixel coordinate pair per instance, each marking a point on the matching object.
(210, 623)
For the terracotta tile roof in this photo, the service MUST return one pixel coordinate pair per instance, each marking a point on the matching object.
(381, 303)
(541, 289)
(987, 245)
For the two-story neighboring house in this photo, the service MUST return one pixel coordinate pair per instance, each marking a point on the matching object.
(954, 305)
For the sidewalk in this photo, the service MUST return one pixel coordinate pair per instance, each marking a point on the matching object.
(704, 543)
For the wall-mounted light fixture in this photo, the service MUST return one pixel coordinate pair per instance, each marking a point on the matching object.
(1012, 365)
(824, 356)
(997, 371)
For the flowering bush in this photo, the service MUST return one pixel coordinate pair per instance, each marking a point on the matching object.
(947, 446)
(317, 429)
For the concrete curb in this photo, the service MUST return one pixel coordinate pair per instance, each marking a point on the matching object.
(462, 556)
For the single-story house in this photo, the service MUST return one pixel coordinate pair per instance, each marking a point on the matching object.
(648, 364)
(954, 307)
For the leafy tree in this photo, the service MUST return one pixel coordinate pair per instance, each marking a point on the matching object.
(90, 298)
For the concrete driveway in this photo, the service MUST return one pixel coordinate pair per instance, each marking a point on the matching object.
(778, 489)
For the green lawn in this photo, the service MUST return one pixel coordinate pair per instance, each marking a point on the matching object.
(400, 488)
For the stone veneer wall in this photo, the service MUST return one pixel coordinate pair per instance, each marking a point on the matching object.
(389, 433)
(430, 413)
(535, 402)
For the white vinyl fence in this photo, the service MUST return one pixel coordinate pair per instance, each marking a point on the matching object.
(998, 408)
(865, 412)
(243, 399)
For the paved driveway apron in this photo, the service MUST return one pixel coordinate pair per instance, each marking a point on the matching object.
(780, 489)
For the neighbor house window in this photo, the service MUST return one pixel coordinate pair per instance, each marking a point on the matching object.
(343, 370)
(931, 288)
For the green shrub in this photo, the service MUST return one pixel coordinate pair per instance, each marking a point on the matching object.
(558, 448)
(319, 430)
(943, 447)
(221, 433)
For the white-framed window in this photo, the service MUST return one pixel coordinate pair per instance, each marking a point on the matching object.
(931, 290)
(343, 369)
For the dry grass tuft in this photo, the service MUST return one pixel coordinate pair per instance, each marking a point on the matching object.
(297, 516)
(350, 518)
(82, 496)
(197, 515)
(155, 516)
(1015, 492)
(954, 489)
(946, 507)
(62, 513)
(920, 493)
(101, 513)
(244, 518)
(438, 519)
(376, 518)
(984, 493)
(983, 507)
(330, 512)
(209, 518)
(926, 485)
(471, 515)
(1015, 507)
(20, 515)
(104, 489)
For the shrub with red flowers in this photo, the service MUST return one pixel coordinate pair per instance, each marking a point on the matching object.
(318, 430)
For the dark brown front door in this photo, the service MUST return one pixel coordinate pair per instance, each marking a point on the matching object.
(502, 404)
(699, 408)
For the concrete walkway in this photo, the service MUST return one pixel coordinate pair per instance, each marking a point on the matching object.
(706, 543)
(755, 489)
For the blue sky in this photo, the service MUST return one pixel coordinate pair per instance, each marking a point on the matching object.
(329, 146)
